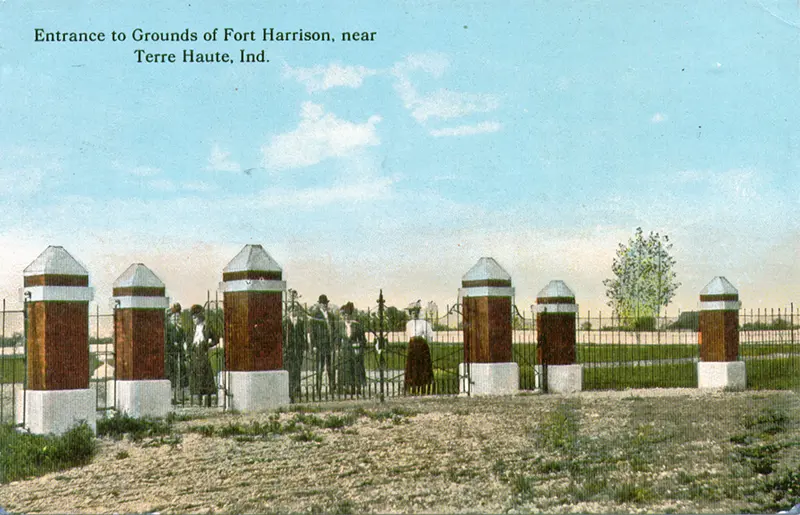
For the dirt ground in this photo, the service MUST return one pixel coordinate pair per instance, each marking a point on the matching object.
(637, 451)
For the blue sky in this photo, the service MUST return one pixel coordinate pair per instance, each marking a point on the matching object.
(538, 133)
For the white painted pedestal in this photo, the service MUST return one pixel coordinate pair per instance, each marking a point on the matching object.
(721, 374)
(55, 411)
(490, 378)
(144, 398)
(564, 378)
(256, 391)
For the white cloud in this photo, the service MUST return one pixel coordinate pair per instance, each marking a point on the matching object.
(321, 78)
(467, 130)
(220, 161)
(442, 103)
(162, 185)
(362, 191)
(739, 183)
(318, 136)
(658, 118)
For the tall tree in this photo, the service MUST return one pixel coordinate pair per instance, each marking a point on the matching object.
(644, 279)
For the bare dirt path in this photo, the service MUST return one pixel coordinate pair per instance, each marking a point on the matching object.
(675, 450)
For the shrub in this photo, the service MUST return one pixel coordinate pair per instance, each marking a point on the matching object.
(25, 455)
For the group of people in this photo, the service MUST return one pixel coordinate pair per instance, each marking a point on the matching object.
(333, 341)
(187, 352)
(336, 343)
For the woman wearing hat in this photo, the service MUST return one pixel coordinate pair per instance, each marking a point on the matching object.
(201, 377)
(175, 352)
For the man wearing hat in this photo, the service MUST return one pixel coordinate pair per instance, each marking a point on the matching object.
(294, 331)
(323, 339)
(175, 352)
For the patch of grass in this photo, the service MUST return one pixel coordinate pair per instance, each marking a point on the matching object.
(631, 492)
(138, 428)
(559, 429)
(631, 375)
(523, 487)
(307, 435)
(25, 455)
(121, 455)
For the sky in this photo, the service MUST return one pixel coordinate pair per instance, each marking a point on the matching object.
(539, 133)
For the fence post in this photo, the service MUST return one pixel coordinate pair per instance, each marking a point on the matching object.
(555, 323)
(719, 331)
(381, 345)
(57, 394)
(488, 367)
(252, 286)
(140, 304)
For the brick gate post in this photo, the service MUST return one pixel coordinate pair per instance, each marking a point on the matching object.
(486, 295)
(719, 333)
(58, 396)
(252, 289)
(555, 326)
(142, 387)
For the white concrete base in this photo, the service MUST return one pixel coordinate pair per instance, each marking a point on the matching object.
(721, 374)
(489, 378)
(55, 411)
(256, 391)
(144, 398)
(564, 378)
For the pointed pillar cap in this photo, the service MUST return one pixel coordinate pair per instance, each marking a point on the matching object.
(556, 289)
(719, 286)
(55, 261)
(253, 270)
(486, 269)
(138, 276)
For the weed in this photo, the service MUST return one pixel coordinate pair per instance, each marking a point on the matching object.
(121, 455)
(346, 507)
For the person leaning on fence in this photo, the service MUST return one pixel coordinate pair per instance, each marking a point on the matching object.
(175, 351)
(419, 367)
(294, 330)
(352, 375)
(324, 341)
(201, 376)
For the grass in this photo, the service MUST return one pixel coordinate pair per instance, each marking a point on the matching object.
(664, 375)
(12, 369)
(24, 455)
(773, 374)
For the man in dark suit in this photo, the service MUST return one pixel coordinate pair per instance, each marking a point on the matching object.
(294, 331)
(324, 339)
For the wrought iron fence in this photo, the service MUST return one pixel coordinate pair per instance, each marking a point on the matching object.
(368, 357)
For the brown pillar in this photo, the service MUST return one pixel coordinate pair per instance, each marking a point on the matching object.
(555, 324)
(139, 324)
(719, 321)
(253, 286)
(58, 295)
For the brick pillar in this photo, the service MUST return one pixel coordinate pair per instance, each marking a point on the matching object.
(486, 295)
(140, 300)
(252, 285)
(555, 327)
(57, 293)
(719, 336)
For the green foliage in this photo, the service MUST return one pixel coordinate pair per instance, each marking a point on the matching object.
(778, 324)
(15, 340)
(137, 428)
(25, 455)
(644, 279)
(687, 320)
(559, 429)
(12, 369)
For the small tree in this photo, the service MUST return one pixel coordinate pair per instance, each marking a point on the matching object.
(644, 278)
